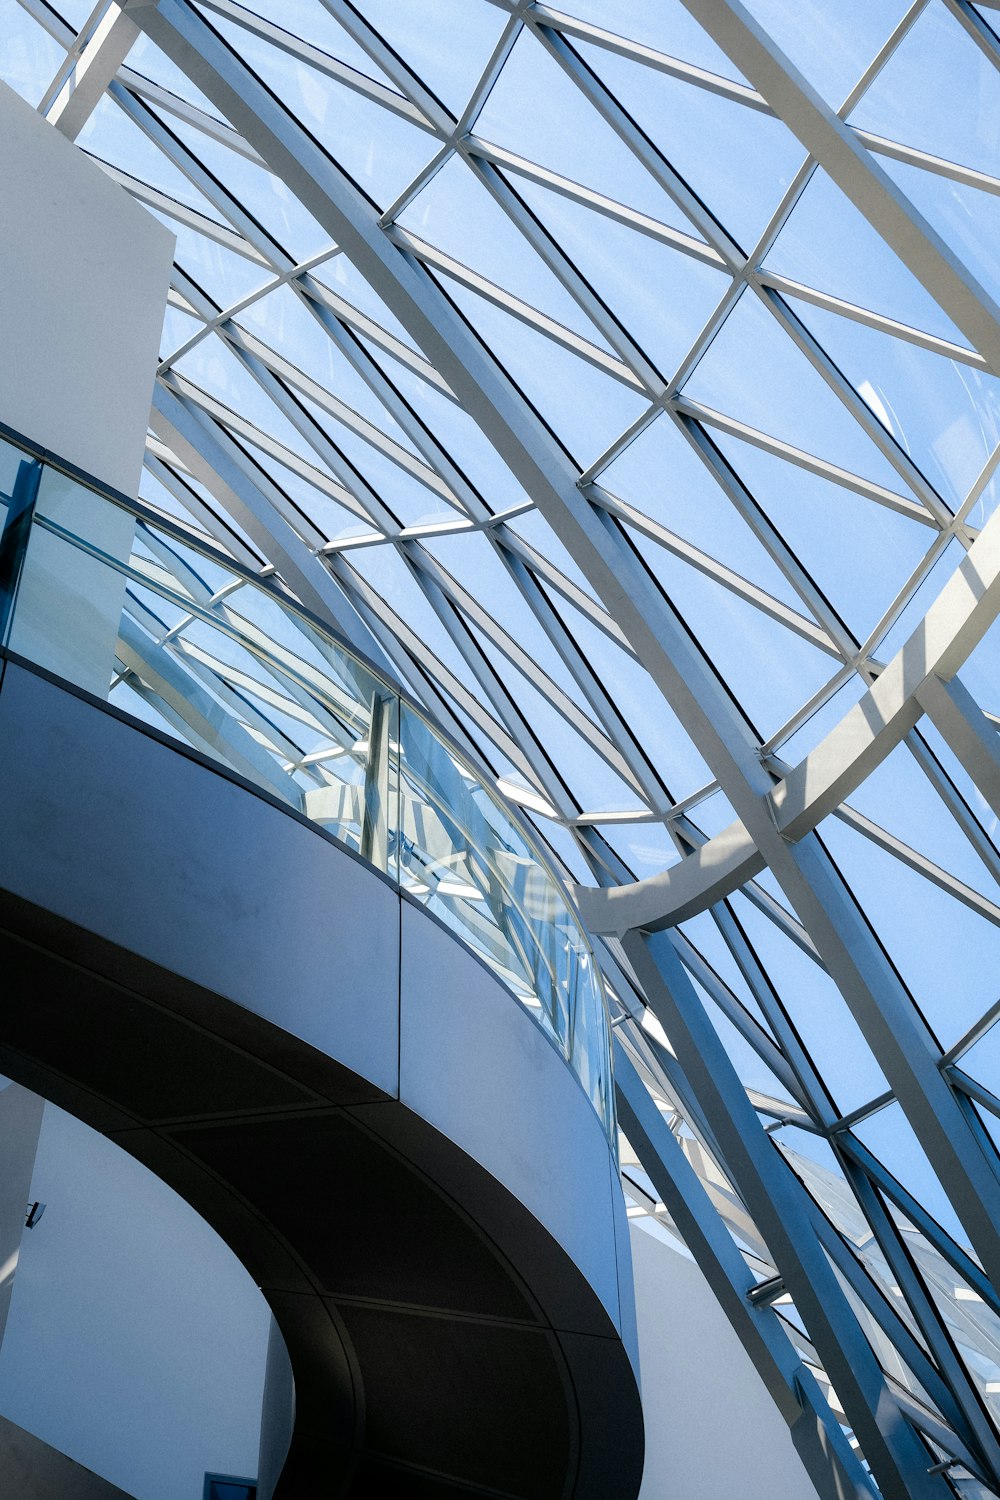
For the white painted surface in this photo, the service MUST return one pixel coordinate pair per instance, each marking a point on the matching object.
(136, 1341)
(712, 1430)
(20, 1122)
(85, 272)
(475, 1066)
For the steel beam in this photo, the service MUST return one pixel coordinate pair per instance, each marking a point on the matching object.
(850, 165)
(958, 718)
(775, 1199)
(209, 455)
(79, 87)
(662, 643)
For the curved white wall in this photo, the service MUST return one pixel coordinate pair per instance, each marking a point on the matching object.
(136, 1341)
(146, 846)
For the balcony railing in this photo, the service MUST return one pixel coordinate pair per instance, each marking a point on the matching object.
(118, 601)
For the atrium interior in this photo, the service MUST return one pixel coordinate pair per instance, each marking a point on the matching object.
(499, 770)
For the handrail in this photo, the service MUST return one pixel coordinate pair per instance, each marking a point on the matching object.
(105, 593)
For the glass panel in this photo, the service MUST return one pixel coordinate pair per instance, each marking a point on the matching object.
(816, 1009)
(275, 206)
(536, 111)
(859, 553)
(944, 415)
(380, 151)
(309, 21)
(754, 372)
(662, 24)
(585, 408)
(909, 618)
(645, 847)
(182, 641)
(898, 796)
(457, 215)
(891, 1138)
(982, 1061)
(447, 44)
(661, 296)
(462, 856)
(19, 479)
(738, 161)
(828, 244)
(938, 92)
(29, 56)
(662, 474)
(979, 674)
(146, 58)
(768, 670)
(112, 137)
(943, 951)
(814, 729)
(135, 618)
(831, 44)
(966, 218)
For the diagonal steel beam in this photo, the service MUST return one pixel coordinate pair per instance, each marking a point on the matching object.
(846, 160)
(516, 430)
(777, 1201)
(655, 631)
(958, 719)
(79, 85)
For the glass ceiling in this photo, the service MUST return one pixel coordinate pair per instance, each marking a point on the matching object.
(631, 388)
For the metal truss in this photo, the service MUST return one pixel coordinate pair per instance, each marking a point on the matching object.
(662, 468)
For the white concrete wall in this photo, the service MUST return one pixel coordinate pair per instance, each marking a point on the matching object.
(20, 1122)
(712, 1430)
(114, 1352)
(136, 1342)
(84, 272)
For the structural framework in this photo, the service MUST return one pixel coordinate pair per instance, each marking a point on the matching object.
(625, 377)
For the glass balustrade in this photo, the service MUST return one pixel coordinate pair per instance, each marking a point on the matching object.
(131, 609)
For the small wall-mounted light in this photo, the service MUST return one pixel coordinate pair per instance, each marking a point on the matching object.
(33, 1213)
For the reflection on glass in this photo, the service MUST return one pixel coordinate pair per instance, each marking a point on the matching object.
(462, 854)
(178, 638)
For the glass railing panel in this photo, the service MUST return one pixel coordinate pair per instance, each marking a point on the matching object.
(69, 600)
(339, 721)
(108, 600)
(469, 861)
(19, 478)
(11, 459)
(453, 860)
(592, 1046)
(117, 608)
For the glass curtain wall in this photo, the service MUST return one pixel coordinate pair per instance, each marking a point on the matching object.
(628, 371)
